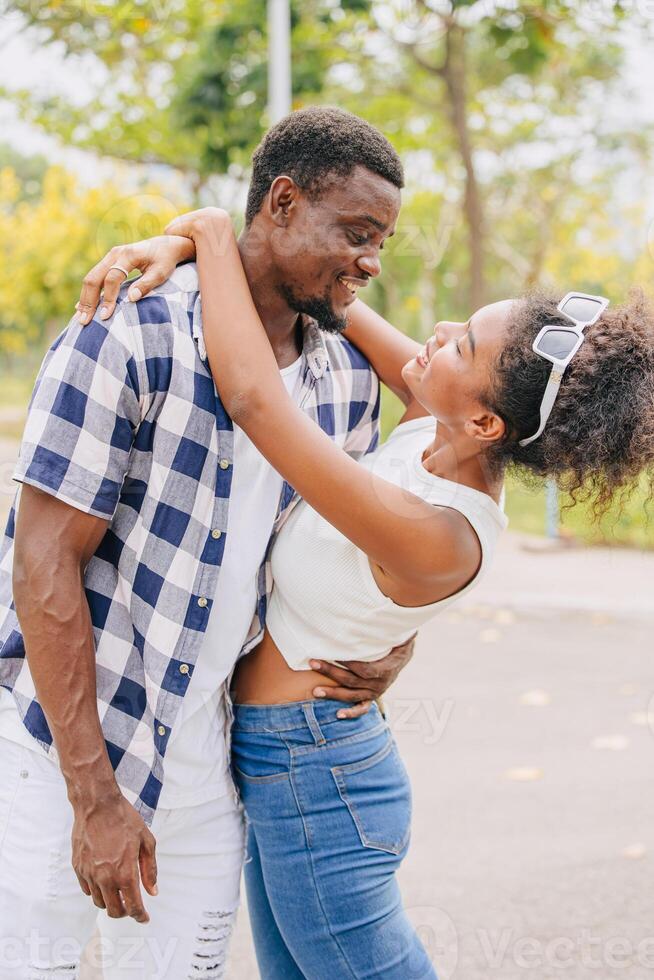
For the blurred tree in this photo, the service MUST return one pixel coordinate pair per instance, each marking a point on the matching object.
(30, 170)
(47, 245)
(182, 82)
(130, 55)
(222, 101)
(497, 93)
(498, 109)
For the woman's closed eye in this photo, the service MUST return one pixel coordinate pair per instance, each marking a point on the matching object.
(466, 334)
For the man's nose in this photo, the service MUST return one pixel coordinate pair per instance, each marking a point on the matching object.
(370, 264)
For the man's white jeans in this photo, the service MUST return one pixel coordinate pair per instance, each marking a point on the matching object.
(46, 919)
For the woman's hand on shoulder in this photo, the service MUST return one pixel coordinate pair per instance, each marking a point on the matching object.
(156, 258)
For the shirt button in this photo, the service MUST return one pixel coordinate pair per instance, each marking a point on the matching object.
(183, 669)
(161, 730)
(224, 464)
(216, 533)
(202, 601)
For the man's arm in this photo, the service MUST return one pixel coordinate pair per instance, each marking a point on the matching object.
(386, 347)
(85, 410)
(54, 542)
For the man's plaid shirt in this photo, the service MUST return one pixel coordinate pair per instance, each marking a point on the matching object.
(125, 424)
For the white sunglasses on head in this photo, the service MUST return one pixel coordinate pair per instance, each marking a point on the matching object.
(559, 344)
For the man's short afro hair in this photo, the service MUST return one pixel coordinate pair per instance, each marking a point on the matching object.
(317, 142)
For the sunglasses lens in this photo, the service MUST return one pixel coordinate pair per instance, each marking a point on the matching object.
(580, 309)
(557, 343)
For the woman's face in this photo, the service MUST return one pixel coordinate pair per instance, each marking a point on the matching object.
(452, 374)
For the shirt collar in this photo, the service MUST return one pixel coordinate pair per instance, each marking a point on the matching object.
(313, 346)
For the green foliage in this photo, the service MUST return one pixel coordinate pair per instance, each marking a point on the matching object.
(48, 245)
(631, 525)
(183, 83)
(30, 171)
(222, 102)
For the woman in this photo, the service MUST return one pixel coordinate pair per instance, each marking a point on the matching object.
(375, 550)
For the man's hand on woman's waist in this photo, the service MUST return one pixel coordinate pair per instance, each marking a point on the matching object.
(363, 681)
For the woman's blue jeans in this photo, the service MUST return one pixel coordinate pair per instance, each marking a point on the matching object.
(328, 803)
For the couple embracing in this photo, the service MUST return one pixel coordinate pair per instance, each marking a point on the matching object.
(210, 557)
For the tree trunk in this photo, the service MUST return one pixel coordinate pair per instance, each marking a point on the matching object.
(453, 73)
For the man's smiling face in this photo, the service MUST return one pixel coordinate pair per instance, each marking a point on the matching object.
(329, 246)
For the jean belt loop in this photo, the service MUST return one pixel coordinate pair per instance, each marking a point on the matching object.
(312, 722)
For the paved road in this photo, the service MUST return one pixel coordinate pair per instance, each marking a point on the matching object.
(530, 743)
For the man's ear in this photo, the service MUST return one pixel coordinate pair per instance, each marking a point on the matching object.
(282, 198)
(485, 427)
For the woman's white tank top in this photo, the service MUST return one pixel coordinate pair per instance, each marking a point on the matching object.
(325, 603)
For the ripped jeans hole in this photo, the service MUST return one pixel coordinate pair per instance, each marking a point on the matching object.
(69, 971)
(215, 931)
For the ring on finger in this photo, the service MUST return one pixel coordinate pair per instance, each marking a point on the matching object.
(120, 269)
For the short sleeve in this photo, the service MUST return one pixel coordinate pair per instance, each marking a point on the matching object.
(83, 415)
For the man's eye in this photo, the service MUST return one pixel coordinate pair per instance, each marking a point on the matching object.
(358, 239)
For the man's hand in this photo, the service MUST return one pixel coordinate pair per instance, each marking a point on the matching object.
(155, 258)
(111, 847)
(363, 681)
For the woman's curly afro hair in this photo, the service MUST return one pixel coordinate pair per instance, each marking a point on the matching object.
(600, 436)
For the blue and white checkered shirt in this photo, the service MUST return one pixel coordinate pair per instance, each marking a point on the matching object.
(125, 424)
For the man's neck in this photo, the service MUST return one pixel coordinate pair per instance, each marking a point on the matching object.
(279, 320)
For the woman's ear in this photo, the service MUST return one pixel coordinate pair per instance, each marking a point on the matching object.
(282, 198)
(485, 427)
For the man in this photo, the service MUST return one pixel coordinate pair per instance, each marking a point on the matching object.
(133, 564)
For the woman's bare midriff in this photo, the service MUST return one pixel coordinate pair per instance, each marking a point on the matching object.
(264, 677)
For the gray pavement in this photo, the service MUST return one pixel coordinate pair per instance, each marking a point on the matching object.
(529, 738)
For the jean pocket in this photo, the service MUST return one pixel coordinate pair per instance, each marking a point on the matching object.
(377, 793)
(272, 777)
(259, 757)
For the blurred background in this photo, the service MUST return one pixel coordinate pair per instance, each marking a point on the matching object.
(527, 132)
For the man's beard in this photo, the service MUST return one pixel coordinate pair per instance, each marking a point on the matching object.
(317, 307)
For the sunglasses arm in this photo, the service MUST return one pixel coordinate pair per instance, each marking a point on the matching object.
(547, 404)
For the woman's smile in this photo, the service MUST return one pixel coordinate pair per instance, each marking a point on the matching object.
(425, 355)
